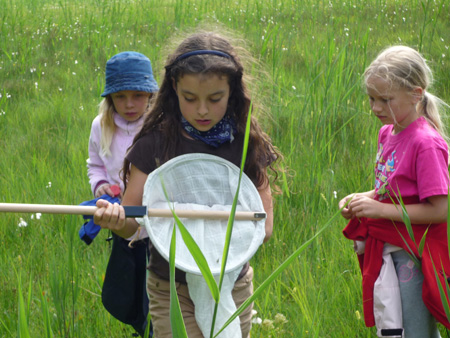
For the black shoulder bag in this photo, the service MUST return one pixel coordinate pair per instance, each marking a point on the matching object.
(124, 293)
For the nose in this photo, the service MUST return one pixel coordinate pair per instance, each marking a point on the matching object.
(376, 107)
(129, 102)
(202, 108)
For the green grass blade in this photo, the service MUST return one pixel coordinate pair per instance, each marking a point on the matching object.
(410, 252)
(232, 213)
(236, 196)
(199, 258)
(405, 218)
(276, 273)
(22, 320)
(195, 251)
(6, 327)
(285, 183)
(30, 289)
(46, 315)
(422, 242)
(441, 291)
(147, 328)
(176, 317)
(407, 222)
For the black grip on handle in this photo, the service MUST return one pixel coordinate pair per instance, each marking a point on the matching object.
(135, 211)
(260, 215)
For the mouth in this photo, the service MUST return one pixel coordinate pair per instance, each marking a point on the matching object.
(203, 122)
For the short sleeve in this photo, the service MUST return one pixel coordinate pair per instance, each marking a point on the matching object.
(142, 154)
(432, 172)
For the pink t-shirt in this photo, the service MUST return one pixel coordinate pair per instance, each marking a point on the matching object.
(413, 162)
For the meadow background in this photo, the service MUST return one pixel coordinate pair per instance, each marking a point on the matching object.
(52, 59)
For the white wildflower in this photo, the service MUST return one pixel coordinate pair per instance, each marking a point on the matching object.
(256, 321)
(22, 223)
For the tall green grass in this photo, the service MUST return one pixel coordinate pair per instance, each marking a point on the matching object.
(52, 57)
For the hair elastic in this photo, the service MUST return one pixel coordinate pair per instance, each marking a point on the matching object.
(199, 52)
(202, 52)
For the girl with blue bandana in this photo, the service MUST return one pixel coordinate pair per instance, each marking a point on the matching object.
(201, 107)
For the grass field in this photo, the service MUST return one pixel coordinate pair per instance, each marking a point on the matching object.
(52, 58)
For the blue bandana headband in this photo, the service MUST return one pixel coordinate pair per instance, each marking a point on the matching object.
(222, 132)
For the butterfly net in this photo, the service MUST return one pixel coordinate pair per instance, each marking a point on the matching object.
(203, 182)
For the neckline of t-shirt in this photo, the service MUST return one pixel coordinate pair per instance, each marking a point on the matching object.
(405, 133)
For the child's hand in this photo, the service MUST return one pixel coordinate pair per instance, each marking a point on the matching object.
(363, 206)
(346, 212)
(109, 216)
(107, 189)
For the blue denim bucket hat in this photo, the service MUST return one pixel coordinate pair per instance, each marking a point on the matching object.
(129, 71)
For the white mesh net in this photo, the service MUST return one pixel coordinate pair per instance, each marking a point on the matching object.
(203, 182)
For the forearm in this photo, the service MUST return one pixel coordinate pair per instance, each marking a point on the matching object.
(266, 197)
(133, 196)
(129, 228)
(269, 224)
(422, 213)
(96, 173)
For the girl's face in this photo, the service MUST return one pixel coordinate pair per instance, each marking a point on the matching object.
(393, 105)
(203, 99)
(130, 104)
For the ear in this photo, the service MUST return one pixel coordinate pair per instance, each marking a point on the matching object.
(174, 84)
(418, 93)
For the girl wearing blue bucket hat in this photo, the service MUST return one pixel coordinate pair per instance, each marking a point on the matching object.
(128, 89)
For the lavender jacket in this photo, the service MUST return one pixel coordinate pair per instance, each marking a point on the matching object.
(106, 169)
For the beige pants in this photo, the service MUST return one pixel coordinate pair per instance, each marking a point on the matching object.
(159, 293)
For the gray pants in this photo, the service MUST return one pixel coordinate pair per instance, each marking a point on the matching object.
(417, 320)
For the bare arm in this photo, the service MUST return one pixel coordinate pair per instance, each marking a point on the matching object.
(433, 210)
(112, 216)
(266, 196)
